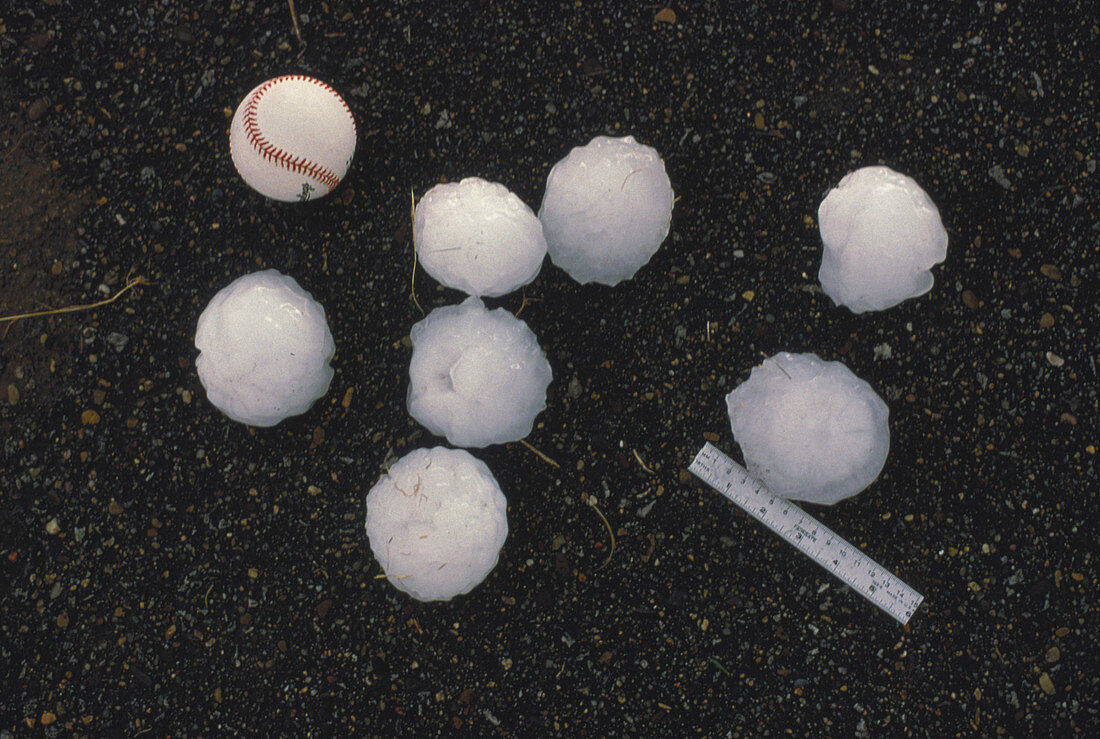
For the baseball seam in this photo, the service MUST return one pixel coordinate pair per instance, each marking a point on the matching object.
(278, 156)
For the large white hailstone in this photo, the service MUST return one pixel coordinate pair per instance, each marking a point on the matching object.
(477, 377)
(436, 522)
(264, 349)
(607, 208)
(809, 429)
(478, 237)
(881, 234)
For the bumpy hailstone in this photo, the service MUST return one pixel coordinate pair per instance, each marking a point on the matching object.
(477, 377)
(436, 522)
(607, 208)
(264, 349)
(881, 234)
(809, 429)
(478, 237)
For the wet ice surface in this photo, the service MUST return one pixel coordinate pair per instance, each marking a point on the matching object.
(436, 522)
(810, 430)
(606, 209)
(478, 237)
(264, 349)
(477, 377)
(881, 234)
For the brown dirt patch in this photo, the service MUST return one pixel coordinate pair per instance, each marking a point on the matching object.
(38, 240)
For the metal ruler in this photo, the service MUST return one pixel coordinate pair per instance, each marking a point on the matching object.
(814, 539)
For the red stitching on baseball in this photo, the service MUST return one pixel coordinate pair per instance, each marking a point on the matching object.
(273, 153)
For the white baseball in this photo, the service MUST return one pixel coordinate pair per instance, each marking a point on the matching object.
(292, 138)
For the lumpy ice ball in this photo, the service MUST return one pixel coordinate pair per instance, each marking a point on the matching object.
(478, 237)
(264, 349)
(881, 234)
(436, 522)
(606, 210)
(809, 429)
(477, 377)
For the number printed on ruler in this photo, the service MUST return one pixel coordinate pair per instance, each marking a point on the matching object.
(811, 537)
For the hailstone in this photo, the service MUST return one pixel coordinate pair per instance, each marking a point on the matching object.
(264, 349)
(606, 210)
(477, 377)
(809, 429)
(436, 523)
(478, 237)
(881, 234)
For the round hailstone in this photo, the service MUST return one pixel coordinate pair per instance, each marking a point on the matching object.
(881, 234)
(264, 349)
(477, 377)
(809, 429)
(607, 208)
(436, 522)
(478, 237)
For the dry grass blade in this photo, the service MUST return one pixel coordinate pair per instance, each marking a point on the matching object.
(131, 282)
(539, 454)
(610, 532)
(525, 301)
(294, 20)
(13, 147)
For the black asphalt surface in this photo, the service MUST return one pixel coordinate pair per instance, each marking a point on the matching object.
(167, 572)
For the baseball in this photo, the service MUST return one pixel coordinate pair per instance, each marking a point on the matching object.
(292, 138)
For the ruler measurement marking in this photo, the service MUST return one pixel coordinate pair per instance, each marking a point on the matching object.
(811, 537)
